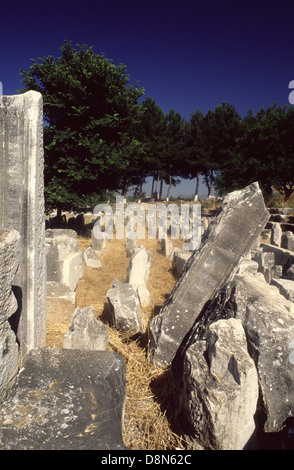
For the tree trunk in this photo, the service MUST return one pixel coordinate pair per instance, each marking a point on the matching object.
(152, 187)
(156, 187)
(210, 183)
(124, 190)
(160, 192)
(197, 187)
(169, 188)
(141, 188)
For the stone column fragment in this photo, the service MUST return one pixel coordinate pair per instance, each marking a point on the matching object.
(22, 208)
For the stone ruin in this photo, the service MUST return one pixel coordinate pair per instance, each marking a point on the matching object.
(49, 398)
(226, 331)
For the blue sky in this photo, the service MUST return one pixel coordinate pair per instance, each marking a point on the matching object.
(185, 54)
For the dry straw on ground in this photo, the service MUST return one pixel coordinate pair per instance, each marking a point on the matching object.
(149, 420)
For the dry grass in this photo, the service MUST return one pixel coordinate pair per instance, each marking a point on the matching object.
(150, 397)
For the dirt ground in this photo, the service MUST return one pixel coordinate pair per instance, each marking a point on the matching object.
(149, 412)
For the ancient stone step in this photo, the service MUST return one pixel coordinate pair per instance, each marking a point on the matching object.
(66, 399)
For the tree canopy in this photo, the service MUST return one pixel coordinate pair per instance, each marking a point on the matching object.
(92, 114)
(99, 137)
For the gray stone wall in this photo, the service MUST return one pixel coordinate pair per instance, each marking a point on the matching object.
(22, 208)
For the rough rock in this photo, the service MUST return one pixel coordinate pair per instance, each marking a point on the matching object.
(229, 238)
(266, 263)
(179, 260)
(269, 326)
(289, 274)
(276, 235)
(125, 308)
(91, 258)
(9, 350)
(85, 331)
(167, 247)
(283, 257)
(286, 288)
(138, 274)
(64, 260)
(220, 391)
(267, 318)
(247, 266)
(66, 400)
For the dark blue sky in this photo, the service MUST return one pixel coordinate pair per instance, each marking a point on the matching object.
(186, 54)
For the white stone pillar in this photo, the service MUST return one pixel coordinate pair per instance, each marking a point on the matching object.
(22, 208)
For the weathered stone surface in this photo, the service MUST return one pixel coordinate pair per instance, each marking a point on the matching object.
(22, 208)
(269, 324)
(284, 258)
(289, 274)
(266, 263)
(286, 288)
(167, 247)
(220, 391)
(228, 239)
(288, 241)
(60, 302)
(66, 400)
(139, 272)
(9, 262)
(72, 270)
(91, 258)
(85, 331)
(179, 260)
(64, 261)
(64, 241)
(247, 266)
(267, 318)
(276, 237)
(125, 308)
(9, 350)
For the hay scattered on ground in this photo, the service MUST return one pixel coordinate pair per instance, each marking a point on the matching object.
(149, 400)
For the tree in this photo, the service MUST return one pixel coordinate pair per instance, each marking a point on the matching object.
(222, 128)
(91, 115)
(264, 152)
(153, 134)
(194, 149)
(174, 140)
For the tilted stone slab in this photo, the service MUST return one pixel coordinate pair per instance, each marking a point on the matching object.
(66, 400)
(229, 238)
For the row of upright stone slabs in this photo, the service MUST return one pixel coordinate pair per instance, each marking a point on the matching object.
(229, 238)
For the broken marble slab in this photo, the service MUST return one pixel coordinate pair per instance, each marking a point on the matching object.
(228, 239)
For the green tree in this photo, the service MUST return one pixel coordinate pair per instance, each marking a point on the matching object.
(264, 153)
(173, 148)
(153, 134)
(194, 149)
(91, 115)
(222, 129)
